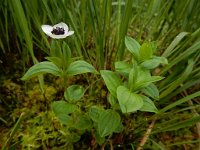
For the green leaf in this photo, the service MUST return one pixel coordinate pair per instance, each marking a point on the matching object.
(133, 46)
(113, 101)
(142, 75)
(55, 50)
(83, 122)
(146, 51)
(154, 62)
(148, 81)
(94, 113)
(145, 78)
(56, 60)
(111, 80)
(151, 91)
(156, 78)
(98, 139)
(128, 101)
(108, 122)
(119, 128)
(41, 68)
(123, 67)
(66, 55)
(148, 105)
(66, 51)
(74, 93)
(133, 75)
(61, 109)
(79, 67)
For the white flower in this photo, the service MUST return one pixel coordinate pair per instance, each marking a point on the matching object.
(58, 31)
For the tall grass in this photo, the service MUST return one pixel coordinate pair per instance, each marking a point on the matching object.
(102, 24)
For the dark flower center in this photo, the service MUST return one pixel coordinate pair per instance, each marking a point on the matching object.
(58, 31)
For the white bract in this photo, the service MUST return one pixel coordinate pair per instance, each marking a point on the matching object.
(58, 31)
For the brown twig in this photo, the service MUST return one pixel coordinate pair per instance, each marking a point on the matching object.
(146, 135)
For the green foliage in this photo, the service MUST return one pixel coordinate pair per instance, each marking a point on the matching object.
(122, 67)
(41, 68)
(148, 105)
(13, 131)
(94, 113)
(182, 124)
(146, 51)
(128, 101)
(61, 65)
(112, 81)
(139, 80)
(62, 110)
(154, 62)
(74, 93)
(133, 46)
(140, 77)
(80, 67)
(83, 122)
(107, 121)
(152, 91)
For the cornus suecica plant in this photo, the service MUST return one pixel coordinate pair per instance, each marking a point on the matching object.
(137, 90)
(58, 31)
(60, 63)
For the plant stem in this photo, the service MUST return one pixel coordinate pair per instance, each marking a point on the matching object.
(146, 135)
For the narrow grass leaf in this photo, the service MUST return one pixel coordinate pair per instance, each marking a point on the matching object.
(178, 102)
(21, 22)
(124, 27)
(174, 43)
(194, 48)
(178, 81)
(182, 124)
(13, 131)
